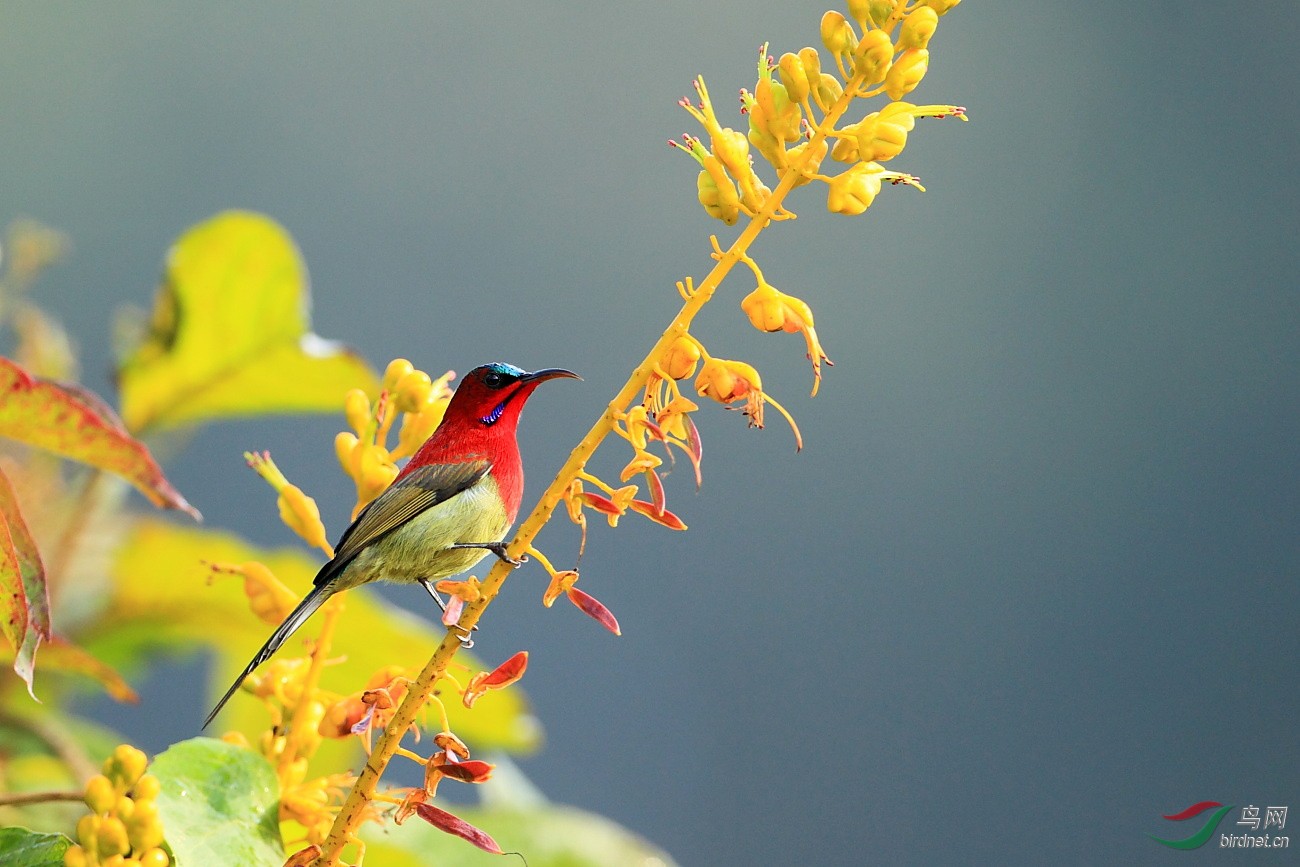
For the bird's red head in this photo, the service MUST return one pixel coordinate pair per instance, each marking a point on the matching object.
(480, 424)
(491, 396)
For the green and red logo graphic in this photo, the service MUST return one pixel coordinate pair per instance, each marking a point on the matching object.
(1198, 839)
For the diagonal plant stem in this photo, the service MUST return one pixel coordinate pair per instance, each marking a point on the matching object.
(355, 807)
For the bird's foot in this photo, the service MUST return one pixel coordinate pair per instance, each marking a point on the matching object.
(428, 585)
(466, 635)
(498, 548)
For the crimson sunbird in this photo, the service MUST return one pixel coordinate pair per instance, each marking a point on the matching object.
(447, 509)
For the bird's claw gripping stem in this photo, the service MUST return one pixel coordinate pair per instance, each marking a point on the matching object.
(466, 638)
(498, 548)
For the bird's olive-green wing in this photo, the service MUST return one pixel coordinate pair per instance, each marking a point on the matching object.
(410, 495)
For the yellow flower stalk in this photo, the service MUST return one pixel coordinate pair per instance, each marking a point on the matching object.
(796, 113)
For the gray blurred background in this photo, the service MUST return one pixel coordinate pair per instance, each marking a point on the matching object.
(1031, 583)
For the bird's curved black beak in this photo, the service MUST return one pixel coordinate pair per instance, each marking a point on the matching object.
(549, 373)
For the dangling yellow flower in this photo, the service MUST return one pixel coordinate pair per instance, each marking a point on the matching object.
(769, 309)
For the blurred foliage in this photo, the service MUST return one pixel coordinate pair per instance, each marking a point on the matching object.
(228, 336)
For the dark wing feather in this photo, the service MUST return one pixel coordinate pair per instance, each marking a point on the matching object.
(410, 495)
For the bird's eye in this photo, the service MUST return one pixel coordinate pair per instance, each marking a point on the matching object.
(492, 379)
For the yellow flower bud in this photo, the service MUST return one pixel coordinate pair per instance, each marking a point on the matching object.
(300, 514)
(413, 390)
(417, 427)
(907, 72)
(147, 788)
(874, 55)
(881, 11)
(828, 90)
(720, 201)
(860, 11)
(144, 829)
(75, 856)
(345, 448)
(794, 77)
(88, 830)
(846, 146)
(376, 472)
(111, 838)
(100, 795)
(155, 858)
(880, 139)
(680, 359)
(764, 308)
(396, 370)
(941, 6)
(814, 160)
(124, 808)
(918, 27)
(837, 33)
(356, 409)
(772, 149)
(853, 191)
(125, 766)
(812, 64)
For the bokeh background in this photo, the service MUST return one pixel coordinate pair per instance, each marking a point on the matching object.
(1031, 584)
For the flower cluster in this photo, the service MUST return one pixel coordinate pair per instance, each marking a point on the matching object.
(122, 828)
(363, 451)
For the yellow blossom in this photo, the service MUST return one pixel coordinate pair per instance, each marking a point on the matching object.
(672, 418)
(268, 598)
(873, 57)
(907, 72)
(680, 359)
(918, 28)
(941, 6)
(794, 76)
(769, 309)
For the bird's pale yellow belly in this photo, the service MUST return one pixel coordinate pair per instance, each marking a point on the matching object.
(420, 548)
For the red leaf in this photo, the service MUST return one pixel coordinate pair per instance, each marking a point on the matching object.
(592, 607)
(666, 518)
(444, 821)
(73, 422)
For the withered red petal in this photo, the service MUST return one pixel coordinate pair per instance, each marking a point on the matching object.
(656, 486)
(592, 607)
(601, 503)
(507, 672)
(666, 518)
(444, 821)
(469, 771)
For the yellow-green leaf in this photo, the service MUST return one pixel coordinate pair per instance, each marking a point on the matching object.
(74, 422)
(59, 654)
(230, 333)
(162, 594)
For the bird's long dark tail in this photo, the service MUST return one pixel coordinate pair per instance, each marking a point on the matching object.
(306, 608)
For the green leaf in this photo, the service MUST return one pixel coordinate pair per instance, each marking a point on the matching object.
(230, 333)
(22, 848)
(219, 805)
